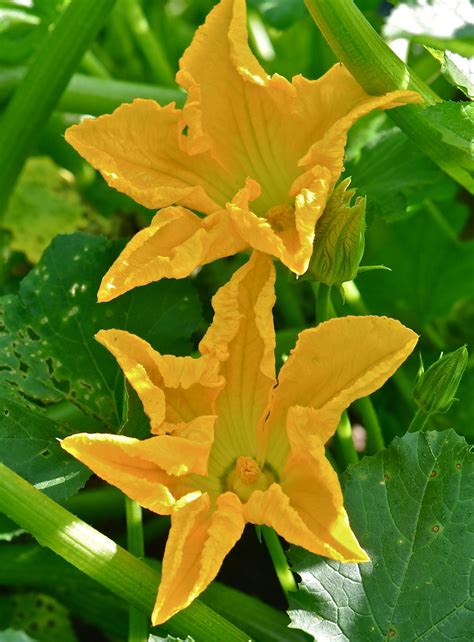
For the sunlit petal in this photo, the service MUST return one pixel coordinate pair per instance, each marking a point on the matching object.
(176, 243)
(306, 508)
(331, 366)
(199, 539)
(137, 150)
(137, 468)
(243, 338)
(172, 389)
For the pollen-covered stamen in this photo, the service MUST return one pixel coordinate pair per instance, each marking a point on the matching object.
(247, 477)
(281, 217)
(247, 470)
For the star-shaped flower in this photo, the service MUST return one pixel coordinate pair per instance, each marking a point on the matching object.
(232, 446)
(256, 154)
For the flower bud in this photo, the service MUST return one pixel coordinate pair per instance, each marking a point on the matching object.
(435, 388)
(340, 238)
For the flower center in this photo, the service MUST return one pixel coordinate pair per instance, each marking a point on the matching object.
(281, 217)
(247, 477)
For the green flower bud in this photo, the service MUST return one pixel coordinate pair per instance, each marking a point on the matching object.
(340, 238)
(435, 388)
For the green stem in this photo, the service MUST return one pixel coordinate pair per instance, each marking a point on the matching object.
(94, 96)
(278, 557)
(34, 567)
(419, 421)
(94, 66)
(101, 559)
(345, 441)
(323, 303)
(137, 624)
(151, 47)
(370, 420)
(43, 84)
(377, 68)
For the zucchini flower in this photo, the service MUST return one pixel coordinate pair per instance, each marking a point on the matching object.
(249, 162)
(230, 444)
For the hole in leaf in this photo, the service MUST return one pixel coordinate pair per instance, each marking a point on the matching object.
(45, 453)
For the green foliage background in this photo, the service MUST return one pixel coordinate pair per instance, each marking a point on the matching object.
(410, 504)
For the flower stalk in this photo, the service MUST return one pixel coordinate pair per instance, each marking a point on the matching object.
(137, 624)
(278, 557)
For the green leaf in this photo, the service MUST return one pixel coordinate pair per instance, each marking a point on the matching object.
(8, 529)
(431, 269)
(409, 506)
(42, 617)
(43, 205)
(280, 15)
(169, 638)
(55, 379)
(459, 71)
(392, 173)
(10, 635)
(455, 124)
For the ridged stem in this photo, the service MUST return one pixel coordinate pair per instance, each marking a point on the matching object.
(40, 89)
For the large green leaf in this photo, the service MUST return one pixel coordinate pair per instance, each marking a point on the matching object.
(54, 377)
(411, 508)
(431, 269)
(392, 173)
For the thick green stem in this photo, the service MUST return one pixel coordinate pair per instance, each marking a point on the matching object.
(43, 84)
(137, 624)
(88, 95)
(419, 421)
(101, 559)
(376, 67)
(34, 567)
(151, 47)
(323, 303)
(278, 557)
(93, 66)
(370, 420)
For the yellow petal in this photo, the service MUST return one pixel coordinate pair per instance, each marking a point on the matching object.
(330, 106)
(306, 508)
(243, 338)
(288, 231)
(172, 389)
(244, 119)
(135, 467)
(137, 150)
(176, 242)
(331, 366)
(199, 539)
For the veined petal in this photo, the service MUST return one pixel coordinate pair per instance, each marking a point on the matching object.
(243, 338)
(288, 231)
(331, 366)
(306, 508)
(176, 242)
(172, 389)
(137, 150)
(199, 539)
(330, 106)
(244, 120)
(136, 467)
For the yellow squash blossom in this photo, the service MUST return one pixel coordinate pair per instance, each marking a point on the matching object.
(230, 445)
(256, 154)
